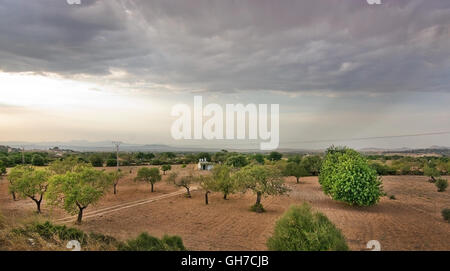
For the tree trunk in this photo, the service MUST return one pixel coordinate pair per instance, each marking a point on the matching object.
(80, 215)
(298, 178)
(206, 197)
(13, 196)
(115, 188)
(258, 198)
(38, 203)
(152, 187)
(188, 192)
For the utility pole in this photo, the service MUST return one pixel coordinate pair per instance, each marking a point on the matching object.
(117, 144)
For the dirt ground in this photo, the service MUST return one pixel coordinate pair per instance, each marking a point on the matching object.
(411, 222)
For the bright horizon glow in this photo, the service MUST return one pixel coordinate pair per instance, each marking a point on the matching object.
(46, 107)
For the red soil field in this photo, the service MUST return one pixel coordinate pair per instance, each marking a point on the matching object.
(411, 222)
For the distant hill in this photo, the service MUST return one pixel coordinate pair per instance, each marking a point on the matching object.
(107, 146)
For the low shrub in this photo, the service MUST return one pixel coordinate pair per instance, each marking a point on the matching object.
(441, 184)
(54, 234)
(383, 169)
(146, 242)
(300, 229)
(446, 214)
(50, 232)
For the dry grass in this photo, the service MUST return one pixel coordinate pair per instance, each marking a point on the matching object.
(23, 238)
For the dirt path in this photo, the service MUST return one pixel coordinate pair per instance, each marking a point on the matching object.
(118, 207)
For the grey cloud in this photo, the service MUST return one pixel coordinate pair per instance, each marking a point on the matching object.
(293, 46)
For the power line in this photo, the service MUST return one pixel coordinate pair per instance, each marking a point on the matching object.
(368, 138)
(195, 143)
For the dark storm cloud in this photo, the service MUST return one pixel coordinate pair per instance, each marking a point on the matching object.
(320, 45)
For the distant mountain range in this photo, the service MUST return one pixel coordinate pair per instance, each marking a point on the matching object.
(95, 146)
(105, 146)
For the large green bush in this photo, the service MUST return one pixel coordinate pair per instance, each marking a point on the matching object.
(300, 229)
(146, 242)
(37, 160)
(346, 176)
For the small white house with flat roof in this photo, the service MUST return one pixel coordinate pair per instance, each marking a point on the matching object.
(203, 164)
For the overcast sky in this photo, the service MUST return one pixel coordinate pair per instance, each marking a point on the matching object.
(112, 70)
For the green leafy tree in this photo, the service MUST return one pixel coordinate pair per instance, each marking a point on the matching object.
(295, 159)
(262, 181)
(149, 175)
(221, 175)
(275, 156)
(296, 170)
(149, 156)
(115, 177)
(204, 155)
(15, 175)
(96, 160)
(346, 176)
(165, 168)
(208, 185)
(63, 166)
(219, 157)
(259, 158)
(185, 181)
(75, 191)
(301, 229)
(37, 160)
(111, 162)
(431, 171)
(30, 183)
(312, 164)
(237, 161)
(2, 168)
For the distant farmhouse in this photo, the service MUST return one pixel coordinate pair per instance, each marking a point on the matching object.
(203, 164)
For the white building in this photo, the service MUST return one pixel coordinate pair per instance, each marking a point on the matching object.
(204, 165)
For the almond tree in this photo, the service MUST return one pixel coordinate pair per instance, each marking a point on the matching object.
(165, 168)
(31, 183)
(115, 177)
(295, 169)
(221, 175)
(75, 191)
(262, 181)
(208, 185)
(66, 165)
(150, 175)
(183, 181)
(16, 174)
